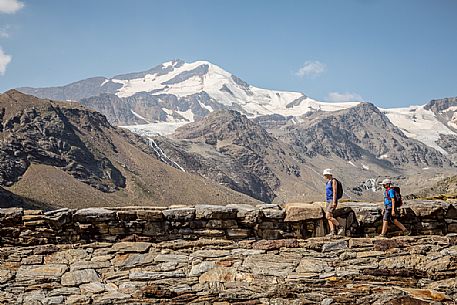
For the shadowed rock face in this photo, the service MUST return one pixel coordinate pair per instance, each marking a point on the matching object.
(53, 135)
(203, 255)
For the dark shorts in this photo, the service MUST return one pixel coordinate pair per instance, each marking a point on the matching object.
(388, 215)
(329, 207)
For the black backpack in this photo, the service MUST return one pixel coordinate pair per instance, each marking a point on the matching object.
(339, 189)
(398, 200)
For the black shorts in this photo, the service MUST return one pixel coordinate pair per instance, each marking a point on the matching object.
(388, 215)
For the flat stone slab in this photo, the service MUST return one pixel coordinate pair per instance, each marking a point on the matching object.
(303, 211)
(34, 272)
(335, 246)
(207, 211)
(94, 215)
(180, 214)
(74, 278)
(126, 246)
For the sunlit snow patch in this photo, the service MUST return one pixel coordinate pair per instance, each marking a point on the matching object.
(420, 124)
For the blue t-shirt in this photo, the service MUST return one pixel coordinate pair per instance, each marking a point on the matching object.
(329, 190)
(388, 195)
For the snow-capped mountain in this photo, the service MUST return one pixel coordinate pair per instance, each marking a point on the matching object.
(170, 95)
(276, 143)
(180, 92)
(186, 79)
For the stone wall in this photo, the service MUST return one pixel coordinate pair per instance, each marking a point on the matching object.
(232, 222)
(234, 255)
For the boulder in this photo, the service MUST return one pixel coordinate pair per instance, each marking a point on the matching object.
(303, 211)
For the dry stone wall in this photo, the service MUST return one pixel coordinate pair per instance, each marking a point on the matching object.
(221, 255)
(233, 222)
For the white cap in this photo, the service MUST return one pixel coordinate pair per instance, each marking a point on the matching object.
(386, 181)
(327, 171)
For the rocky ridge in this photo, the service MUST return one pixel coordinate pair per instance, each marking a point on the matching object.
(254, 162)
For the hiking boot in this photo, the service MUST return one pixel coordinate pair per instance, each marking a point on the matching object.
(341, 231)
(382, 235)
(331, 234)
(406, 233)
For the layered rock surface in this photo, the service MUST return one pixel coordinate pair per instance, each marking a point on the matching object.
(236, 254)
(401, 270)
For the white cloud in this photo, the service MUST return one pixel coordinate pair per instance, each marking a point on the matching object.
(344, 97)
(5, 59)
(311, 69)
(10, 6)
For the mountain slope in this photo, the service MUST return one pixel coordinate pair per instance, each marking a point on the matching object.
(63, 154)
(284, 162)
(360, 132)
(237, 152)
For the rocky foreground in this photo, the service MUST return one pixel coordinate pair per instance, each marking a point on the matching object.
(401, 270)
(225, 255)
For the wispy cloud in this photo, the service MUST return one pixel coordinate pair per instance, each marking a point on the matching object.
(343, 97)
(10, 6)
(4, 32)
(5, 59)
(311, 69)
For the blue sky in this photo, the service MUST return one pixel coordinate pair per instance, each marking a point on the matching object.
(390, 52)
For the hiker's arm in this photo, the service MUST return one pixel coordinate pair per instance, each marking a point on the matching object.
(393, 205)
(334, 187)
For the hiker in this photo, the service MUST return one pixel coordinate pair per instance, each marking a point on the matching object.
(331, 195)
(392, 201)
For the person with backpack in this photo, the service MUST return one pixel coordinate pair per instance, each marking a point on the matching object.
(333, 192)
(392, 201)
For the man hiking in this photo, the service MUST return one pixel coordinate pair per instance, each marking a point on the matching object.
(331, 196)
(392, 201)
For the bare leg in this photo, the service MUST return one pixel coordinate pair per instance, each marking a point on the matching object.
(333, 223)
(385, 226)
(399, 225)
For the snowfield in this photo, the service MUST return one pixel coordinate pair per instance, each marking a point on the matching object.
(419, 123)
